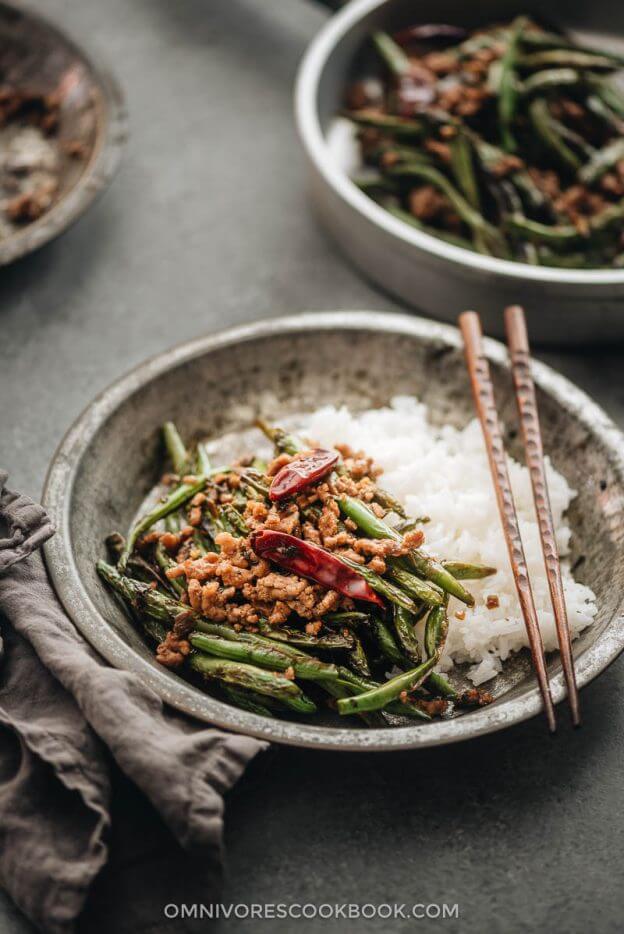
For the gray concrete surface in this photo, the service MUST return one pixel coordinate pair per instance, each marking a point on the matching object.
(208, 225)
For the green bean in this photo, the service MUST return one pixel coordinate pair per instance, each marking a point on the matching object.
(356, 683)
(438, 684)
(387, 643)
(597, 106)
(428, 567)
(414, 586)
(347, 618)
(575, 139)
(235, 519)
(494, 75)
(264, 655)
(381, 585)
(550, 78)
(577, 260)
(172, 523)
(377, 184)
(203, 459)
(462, 165)
(201, 543)
(463, 169)
(557, 236)
(566, 58)
(154, 629)
(247, 700)
(401, 127)
(602, 160)
(550, 40)
(467, 213)
(508, 88)
(435, 631)
(389, 502)
(379, 697)
(483, 40)
(175, 447)
(608, 94)
(548, 130)
(140, 596)
(468, 572)
(403, 153)
(404, 628)
(283, 441)
(353, 684)
(337, 689)
(392, 54)
(255, 482)
(326, 641)
(491, 156)
(410, 524)
(609, 217)
(407, 218)
(532, 196)
(254, 679)
(171, 503)
(358, 659)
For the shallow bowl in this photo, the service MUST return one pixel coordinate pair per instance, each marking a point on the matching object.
(36, 55)
(111, 457)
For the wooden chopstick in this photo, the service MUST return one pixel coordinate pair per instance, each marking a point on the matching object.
(518, 343)
(483, 393)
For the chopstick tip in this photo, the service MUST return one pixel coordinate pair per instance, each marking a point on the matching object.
(552, 723)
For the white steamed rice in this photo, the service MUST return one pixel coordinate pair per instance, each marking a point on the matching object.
(444, 473)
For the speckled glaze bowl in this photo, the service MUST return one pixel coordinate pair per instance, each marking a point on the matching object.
(111, 457)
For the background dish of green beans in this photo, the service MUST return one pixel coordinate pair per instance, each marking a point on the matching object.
(507, 141)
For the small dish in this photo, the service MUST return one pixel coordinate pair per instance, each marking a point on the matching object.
(92, 124)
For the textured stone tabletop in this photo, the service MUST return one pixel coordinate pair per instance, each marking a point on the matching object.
(207, 225)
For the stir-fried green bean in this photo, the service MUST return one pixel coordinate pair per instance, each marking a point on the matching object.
(258, 660)
(430, 569)
(175, 447)
(253, 679)
(379, 697)
(513, 120)
(264, 655)
(181, 495)
(508, 88)
(463, 571)
(404, 627)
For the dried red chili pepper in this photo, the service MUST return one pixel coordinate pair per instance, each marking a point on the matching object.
(302, 472)
(309, 560)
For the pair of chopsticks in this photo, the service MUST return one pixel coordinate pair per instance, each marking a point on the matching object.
(483, 392)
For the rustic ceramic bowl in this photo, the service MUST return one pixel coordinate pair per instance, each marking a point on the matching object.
(36, 55)
(112, 456)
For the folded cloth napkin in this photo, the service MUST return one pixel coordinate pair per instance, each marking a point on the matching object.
(60, 707)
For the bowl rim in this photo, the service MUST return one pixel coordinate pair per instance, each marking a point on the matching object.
(59, 558)
(314, 142)
(99, 170)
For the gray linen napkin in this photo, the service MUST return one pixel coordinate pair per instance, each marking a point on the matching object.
(59, 703)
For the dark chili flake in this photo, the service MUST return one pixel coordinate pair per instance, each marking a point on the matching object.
(302, 472)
